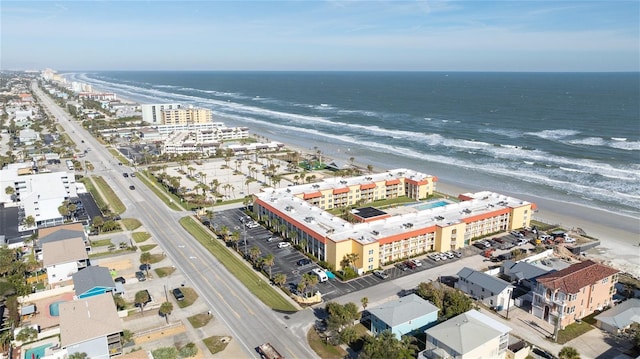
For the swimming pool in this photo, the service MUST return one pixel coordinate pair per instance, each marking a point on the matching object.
(430, 205)
(37, 352)
(54, 309)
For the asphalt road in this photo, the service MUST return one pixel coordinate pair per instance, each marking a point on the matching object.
(248, 319)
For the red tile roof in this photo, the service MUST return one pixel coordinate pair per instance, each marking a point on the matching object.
(577, 276)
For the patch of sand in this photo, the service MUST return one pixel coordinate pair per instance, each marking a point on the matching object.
(159, 334)
(121, 264)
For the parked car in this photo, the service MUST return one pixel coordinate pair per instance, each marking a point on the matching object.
(132, 187)
(145, 266)
(141, 277)
(284, 244)
(120, 280)
(177, 293)
(457, 254)
(417, 262)
(380, 274)
(400, 265)
(434, 257)
(410, 264)
(303, 262)
(272, 238)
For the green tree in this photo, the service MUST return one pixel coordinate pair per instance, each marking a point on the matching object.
(280, 279)
(27, 334)
(10, 190)
(341, 316)
(269, 261)
(141, 298)
(120, 302)
(145, 258)
(165, 353)
(188, 351)
(433, 293)
(386, 345)
(254, 253)
(29, 221)
(165, 309)
(127, 336)
(365, 302)
(568, 353)
(98, 222)
(455, 302)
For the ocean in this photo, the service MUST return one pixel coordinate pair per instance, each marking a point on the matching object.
(568, 137)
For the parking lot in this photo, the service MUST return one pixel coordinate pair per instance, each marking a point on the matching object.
(286, 258)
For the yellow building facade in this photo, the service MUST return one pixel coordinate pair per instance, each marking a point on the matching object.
(185, 116)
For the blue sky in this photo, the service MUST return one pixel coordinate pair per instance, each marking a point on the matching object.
(321, 35)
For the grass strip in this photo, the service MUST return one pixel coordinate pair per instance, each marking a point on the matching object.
(88, 183)
(147, 247)
(215, 344)
(573, 331)
(199, 320)
(113, 200)
(159, 190)
(140, 236)
(255, 283)
(119, 156)
(131, 223)
(101, 243)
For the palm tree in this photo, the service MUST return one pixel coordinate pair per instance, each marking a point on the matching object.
(364, 301)
(254, 253)
(78, 355)
(370, 169)
(165, 309)
(269, 260)
(280, 279)
(141, 298)
(145, 258)
(568, 353)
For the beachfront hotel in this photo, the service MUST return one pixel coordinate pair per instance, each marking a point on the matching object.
(382, 236)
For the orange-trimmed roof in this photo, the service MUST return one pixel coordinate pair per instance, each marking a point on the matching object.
(392, 182)
(367, 186)
(312, 195)
(577, 276)
(340, 190)
(482, 216)
(463, 197)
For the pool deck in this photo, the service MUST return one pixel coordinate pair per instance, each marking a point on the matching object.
(53, 341)
(42, 317)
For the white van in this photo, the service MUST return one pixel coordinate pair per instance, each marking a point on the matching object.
(322, 275)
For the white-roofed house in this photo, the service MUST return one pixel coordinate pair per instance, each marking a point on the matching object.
(63, 258)
(403, 316)
(492, 291)
(470, 335)
(91, 326)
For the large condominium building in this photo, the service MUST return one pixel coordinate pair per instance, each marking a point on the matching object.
(152, 113)
(185, 116)
(379, 236)
(39, 195)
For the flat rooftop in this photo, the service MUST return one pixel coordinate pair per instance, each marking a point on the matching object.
(337, 229)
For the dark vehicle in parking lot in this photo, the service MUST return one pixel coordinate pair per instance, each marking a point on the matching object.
(177, 293)
(400, 265)
(145, 266)
(303, 262)
(406, 292)
(120, 280)
(132, 187)
(140, 276)
(499, 240)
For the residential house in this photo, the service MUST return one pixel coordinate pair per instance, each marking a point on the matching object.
(403, 316)
(93, 280)
(28, 136)
(492, 291)
(574, 292)
(63, 258)
(57, 233)
(91, 326)
(619, 318)
(470, 335)
(523, 273)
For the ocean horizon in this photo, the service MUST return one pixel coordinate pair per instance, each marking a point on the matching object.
(569, 137)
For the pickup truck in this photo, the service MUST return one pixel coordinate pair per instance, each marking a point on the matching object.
(269, 352)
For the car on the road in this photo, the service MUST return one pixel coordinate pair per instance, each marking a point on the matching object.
(303, 262)
(177, 293)
(132, 187)
(381, 274)
(120, 280)
(133, 174)
(82, 141)
(417, 262)
(125, 175)
(141, 277)
(284, 244)
(400, 265)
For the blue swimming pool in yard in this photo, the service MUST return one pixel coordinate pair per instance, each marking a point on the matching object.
(54, 308)
(37, 352)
